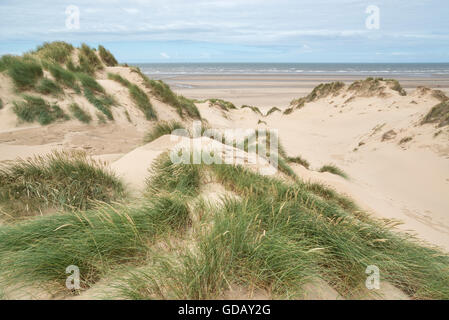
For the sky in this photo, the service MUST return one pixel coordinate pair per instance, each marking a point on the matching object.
(235, 30)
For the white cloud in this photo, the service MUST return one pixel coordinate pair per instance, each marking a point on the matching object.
(164, 55)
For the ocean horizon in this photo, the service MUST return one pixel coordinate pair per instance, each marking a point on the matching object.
(350, 69)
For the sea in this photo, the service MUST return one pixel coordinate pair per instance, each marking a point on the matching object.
(386, 70)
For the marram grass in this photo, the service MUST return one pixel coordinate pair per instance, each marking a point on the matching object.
(60, 180)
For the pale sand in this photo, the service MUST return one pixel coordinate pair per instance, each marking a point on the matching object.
(408, 182)
(269, 90)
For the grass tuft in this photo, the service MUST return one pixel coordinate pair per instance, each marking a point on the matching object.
(139, 97)
(334, 170)
(274, 109)
(37, 109)
(88, 59)
(107, 57)
(162, 128)
(79, 113)
(40, 250)
(225, 105)
(47, 86)
(102, 105)
(299, 160)
(68, 78)
(56, 52)
(162, 91)
(438, 114)
(254, 109)
(58, 180)
(24, 73)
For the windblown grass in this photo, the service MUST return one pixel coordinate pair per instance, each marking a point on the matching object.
(288, 110)
(274, 109)
(24, 72)
(348, 242)
(323, 90)
(162, 128)
(68, 78)
(438, 114)
(107, 57)
(375, 86)
(80, 114)
(254, 109)
(271, 235)
(225, 105)
(47, 86)
(89, 62)
(59, 181)
(299, 160)
(166, 176)
(102, 104)
(163, 92)
(139, 97)
(89, 82)
(37, 109)
(334, 170)
(95, 241)
(56, 52)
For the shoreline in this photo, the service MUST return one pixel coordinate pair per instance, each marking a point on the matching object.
(268, 90)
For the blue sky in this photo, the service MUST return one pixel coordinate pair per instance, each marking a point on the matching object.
(236, 30)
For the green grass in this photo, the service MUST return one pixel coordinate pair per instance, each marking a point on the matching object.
(277, 237)
(162, 128)
(37, 109)
(6, 61)
(299, 160)
(438, 114)
(371, 86)
(1, 103)
(89, 62)
(40, 250)
(163, 92)
(89, 82)
(80, 114)
(101, 104)
(143, 102)
(323, 90)
(288, 110)
(66, 77)
(254, 109)
(273, 236)
(56, 52)
(184, 179)
(48, 86)
(349, 242)
(334, 170)
(24, 73)
(274, 109)
(225, 105)
(139, 97)
(59, 181)
(107, 57)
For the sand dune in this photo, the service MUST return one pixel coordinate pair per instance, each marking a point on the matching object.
(397, 167)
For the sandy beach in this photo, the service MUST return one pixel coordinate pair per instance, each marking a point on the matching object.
(269, 90)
